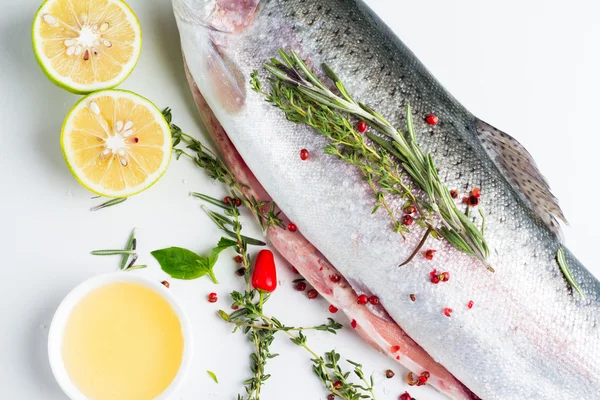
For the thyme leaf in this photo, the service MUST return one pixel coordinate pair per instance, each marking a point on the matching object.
(213, 376)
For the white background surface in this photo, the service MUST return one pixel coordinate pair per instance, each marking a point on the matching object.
(529, 68)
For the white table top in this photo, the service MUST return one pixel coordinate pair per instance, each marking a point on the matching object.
(529, 68)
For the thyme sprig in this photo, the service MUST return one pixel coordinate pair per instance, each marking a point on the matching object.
(304, 98)
(265, 212)
(260, 329)
(326, 369)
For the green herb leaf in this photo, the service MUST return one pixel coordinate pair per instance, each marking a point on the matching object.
(564, 267)
(109, 203)
(213, 376)
(181, 263)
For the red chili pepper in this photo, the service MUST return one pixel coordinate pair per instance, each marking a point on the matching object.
(447, 311)
(395, 349)
(470, 304)
(333, 309)
(264, 276)
(353, 323)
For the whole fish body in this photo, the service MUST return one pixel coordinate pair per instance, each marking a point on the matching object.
(528, 336)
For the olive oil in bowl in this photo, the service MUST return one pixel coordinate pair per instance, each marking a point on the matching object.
(121, 340)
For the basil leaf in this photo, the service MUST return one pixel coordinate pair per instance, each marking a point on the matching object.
(223, 244)
(181, 263)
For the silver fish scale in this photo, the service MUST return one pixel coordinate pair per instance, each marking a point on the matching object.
(526, 337)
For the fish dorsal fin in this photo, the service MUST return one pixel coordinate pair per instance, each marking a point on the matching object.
(522, 172)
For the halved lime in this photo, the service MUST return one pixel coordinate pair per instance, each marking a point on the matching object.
(83, 46)
(116, 143)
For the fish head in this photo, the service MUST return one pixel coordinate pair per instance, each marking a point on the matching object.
(219, 15)
(208, 30)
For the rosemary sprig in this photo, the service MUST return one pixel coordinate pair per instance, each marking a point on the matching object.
(129, 254)
(109, 203)
(564, 268)
(304, 98)
(265, 211)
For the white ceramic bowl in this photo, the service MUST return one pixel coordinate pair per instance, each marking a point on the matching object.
(63, 312)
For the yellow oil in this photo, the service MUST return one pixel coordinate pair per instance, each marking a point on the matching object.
(123, 341)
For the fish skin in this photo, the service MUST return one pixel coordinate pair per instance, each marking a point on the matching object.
(527, 336)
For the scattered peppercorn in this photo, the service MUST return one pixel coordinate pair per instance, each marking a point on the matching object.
(465, 200)
(301, 286)
(227, 200)
(432, 119)
(292, 227)
(333, 309)
(410, 379)
(238, 259)
(470, 304)
(362, 299)
(353, 323)
(295, 270)
(435, 280)
(410, 210)
(413, 297)
(241, 271)
(407, 220)
(337, 384)
(429, 254)
(166, 284)
(335, 278)
(374, 300)
(389, 374)
(476, 192)
(304, 154)
(405, 396)
(361, 126)
(237, 202)
(395, 349)
(454, 193)
(312, 294)
(433, 273)
(447, 311)
(212, 297)
(473, 200)
(235, 308)
(330, 397)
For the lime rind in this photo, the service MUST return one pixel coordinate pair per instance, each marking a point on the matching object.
(130, 191)
(65, 82)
